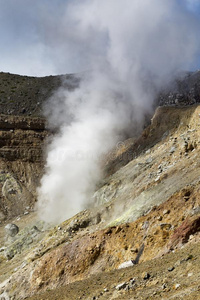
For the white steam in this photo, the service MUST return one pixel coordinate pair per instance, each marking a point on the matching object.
(132, 49)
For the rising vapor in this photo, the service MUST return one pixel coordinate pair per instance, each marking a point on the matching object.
(132, 48)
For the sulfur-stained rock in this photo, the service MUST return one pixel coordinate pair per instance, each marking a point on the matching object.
(135, 205)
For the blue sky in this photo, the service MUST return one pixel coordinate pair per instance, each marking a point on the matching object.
(194, 5)
(31, 41)
(23, 48)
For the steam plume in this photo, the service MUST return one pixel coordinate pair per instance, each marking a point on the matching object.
(133, 48)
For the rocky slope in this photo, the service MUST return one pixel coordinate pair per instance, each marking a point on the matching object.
(146, 216)
(184, 91)
(25, 95)
(144, 210)
(21, 163)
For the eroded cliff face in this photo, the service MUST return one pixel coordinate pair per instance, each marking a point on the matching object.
(147, 206)
(21, 163)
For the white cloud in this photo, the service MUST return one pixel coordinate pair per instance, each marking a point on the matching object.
(54, 27)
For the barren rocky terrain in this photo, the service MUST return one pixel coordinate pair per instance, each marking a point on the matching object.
(21, 163)
(25, 95)
(140, 240)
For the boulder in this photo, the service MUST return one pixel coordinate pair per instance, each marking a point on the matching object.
(11, 229)
(182, 233)
(126, 264)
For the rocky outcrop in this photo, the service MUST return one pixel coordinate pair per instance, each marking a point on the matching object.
(182, 92)
(25, 95)
(21, 163)
(22, 123)
(11, 229)
(166, 122)
(181, 235)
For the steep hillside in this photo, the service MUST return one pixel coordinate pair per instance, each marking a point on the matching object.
(24, 95)
(183, 91)
(147, 214)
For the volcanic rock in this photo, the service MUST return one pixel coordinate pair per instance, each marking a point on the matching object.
(146, 205)
(11, 229)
